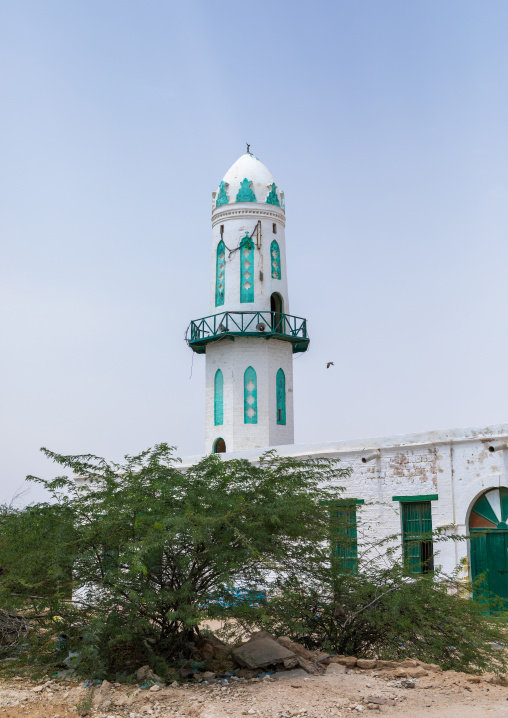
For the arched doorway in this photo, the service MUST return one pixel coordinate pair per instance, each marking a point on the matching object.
(219, 447)
(489, 541)
(277, 310)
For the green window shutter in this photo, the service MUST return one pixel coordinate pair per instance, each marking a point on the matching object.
(275, 256)
(246, 269)
(220, 275)
(218, 404)
(250, 395)
(280, 382)
(344, 533)
(417, 548)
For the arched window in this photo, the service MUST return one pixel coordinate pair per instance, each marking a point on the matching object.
(219, 446)
(220, 276)
(218, 400)
(250, 397)
(275, 257)
(246, 269)
(280, 382)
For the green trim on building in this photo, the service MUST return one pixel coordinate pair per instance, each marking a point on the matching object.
(250, 396)
(275, 257)
(272, 196)
(423, 497)
(246, 270)
(218, 398)
(245, 193)
(280, 382)
(220, 274)
(222, 195)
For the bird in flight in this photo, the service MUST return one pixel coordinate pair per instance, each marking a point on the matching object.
(329, 364)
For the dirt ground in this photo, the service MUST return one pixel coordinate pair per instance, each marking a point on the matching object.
(447, 695)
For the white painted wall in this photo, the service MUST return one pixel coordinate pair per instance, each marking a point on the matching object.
(266, 356)
(454, 464)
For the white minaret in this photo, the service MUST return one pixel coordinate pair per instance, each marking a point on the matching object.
(249, 336)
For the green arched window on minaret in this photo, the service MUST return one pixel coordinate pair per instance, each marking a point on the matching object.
(246, 269)
(218, 399)
(275, 257)
(250, 396)
(220, 277)
(280, 382)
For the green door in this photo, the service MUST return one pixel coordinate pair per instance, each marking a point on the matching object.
(489, 542)
(497, 573)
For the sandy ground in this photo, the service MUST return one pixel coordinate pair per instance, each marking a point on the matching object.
(447, 695)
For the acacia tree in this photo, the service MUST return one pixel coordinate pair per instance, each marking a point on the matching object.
(145, 547)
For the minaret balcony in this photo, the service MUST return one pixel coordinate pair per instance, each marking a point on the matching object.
(263, 325)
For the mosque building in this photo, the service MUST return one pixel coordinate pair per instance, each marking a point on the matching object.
(456, 480)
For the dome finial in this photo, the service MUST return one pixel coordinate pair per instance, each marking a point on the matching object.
(248, 148)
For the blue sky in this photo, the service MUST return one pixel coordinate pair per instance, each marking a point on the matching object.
(383, 122)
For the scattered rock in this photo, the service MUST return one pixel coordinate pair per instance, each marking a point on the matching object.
(407, 684)
(348, 661)
(145, 673)
(208, 675)
(366, 663)
(261, 650)
(380, 701)
(155, 688)
(290, 662)
(400, 673)
(383, 665)
(297, 649)
(307, 665)
(417, 673)
(474, 679)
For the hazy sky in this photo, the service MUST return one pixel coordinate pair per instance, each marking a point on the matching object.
(385, 123)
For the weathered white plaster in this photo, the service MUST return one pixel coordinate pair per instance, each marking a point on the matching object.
(266, 356)
(455, 464)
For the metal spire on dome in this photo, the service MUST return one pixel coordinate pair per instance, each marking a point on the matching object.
(248, 148)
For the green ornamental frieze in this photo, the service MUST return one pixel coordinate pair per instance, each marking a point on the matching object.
(245, 193)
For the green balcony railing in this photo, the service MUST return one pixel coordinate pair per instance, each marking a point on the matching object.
(201, 332)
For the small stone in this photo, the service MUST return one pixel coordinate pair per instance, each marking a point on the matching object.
(38, 689)
(154, 689)
(208, 675)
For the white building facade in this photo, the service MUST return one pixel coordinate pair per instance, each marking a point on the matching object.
(455, 480)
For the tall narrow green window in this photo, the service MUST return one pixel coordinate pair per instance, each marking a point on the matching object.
(344, 533)
(416, 541)
(218, 404)
(220, 276)
(275, 256)
(250, 395)
(280, 382)
(246, 269)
